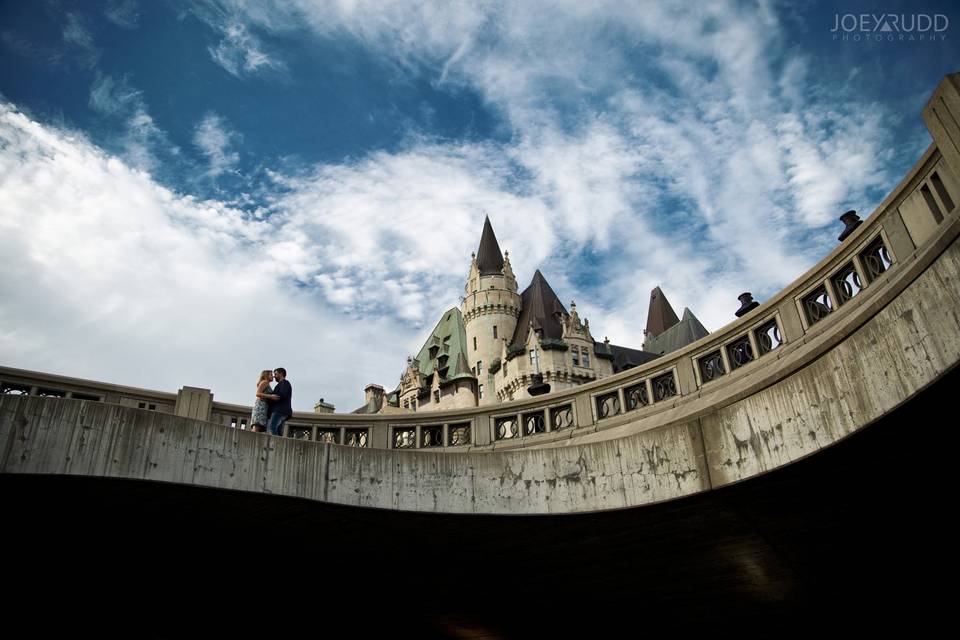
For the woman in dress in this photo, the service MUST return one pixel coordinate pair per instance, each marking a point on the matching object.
(260, 409)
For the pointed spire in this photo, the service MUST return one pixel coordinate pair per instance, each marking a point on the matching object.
(661, 315)
(489, 257)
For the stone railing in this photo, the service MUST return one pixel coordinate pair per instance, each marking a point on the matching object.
(781, 336)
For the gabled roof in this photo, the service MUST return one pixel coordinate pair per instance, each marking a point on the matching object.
(686, 331)
(445, 348)
(541, 306)
(623, 358)
(489, 256)
(661, 315)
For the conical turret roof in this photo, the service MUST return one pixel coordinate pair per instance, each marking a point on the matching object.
(489, 256)
(541, 306)
(661, 315)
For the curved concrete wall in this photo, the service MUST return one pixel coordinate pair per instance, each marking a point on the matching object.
(828, 379)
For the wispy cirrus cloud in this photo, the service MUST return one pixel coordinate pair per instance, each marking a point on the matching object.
(215, 140)
(241, 53)
(671, 144)
(141, 141)
(687, 126)
(123, 13)
(77, 35)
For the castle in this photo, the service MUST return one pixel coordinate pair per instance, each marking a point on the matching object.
(500, 345)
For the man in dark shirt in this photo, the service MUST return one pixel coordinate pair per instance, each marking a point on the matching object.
(280, 407)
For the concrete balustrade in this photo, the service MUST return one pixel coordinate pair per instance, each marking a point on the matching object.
(864, 330)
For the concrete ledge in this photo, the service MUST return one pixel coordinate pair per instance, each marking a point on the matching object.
(903, 347)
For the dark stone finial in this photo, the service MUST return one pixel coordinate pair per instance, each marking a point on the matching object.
(851, 221)
(747, 304)
(539, 387)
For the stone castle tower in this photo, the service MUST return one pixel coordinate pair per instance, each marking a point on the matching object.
(499, 344)
(490, 309)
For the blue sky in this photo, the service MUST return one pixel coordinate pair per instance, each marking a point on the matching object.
(194, 191)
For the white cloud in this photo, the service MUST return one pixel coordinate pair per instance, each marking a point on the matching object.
(123, 13)
(241, 52)
(215, 139)
(76, 32)
(143, 142)
(393, 233)
(112, 277)
(109, 96)
(709, 171)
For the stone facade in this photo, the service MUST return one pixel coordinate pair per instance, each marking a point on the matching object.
(501, 342)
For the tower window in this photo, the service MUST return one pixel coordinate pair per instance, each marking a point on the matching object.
(576, 356)
(436, 395)
(474, 343)
(480, 392)
(494, 332)
(586, 357)
(534, 359)
(479, 368)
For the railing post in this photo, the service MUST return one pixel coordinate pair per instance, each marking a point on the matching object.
(942, 117)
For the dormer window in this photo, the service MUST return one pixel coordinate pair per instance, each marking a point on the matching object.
(434, 350)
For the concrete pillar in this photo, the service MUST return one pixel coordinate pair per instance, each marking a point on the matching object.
(942, 117)
(193, 402)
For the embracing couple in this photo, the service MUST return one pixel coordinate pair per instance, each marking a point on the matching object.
(272, 407)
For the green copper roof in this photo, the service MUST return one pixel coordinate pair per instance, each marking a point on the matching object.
(660, 315)
(686, 331)
(446, 349)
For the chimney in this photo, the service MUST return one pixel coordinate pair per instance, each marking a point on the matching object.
(373, 392)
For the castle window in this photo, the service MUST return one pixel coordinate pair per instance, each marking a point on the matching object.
(480, 392)
(479, 368)
(414, 405)
(474, 343)
(436, 395)
(534, 359)
(586, 357)
(576, 356)
(494, 332)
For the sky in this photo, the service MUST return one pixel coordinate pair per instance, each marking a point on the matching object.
(194, 191)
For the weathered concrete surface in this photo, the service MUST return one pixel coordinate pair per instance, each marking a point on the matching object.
(906, 345)
(649, 468)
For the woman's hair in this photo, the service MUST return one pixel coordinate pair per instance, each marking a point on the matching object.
(264, 375)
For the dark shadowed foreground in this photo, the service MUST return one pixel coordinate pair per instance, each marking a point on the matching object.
(859, 534)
